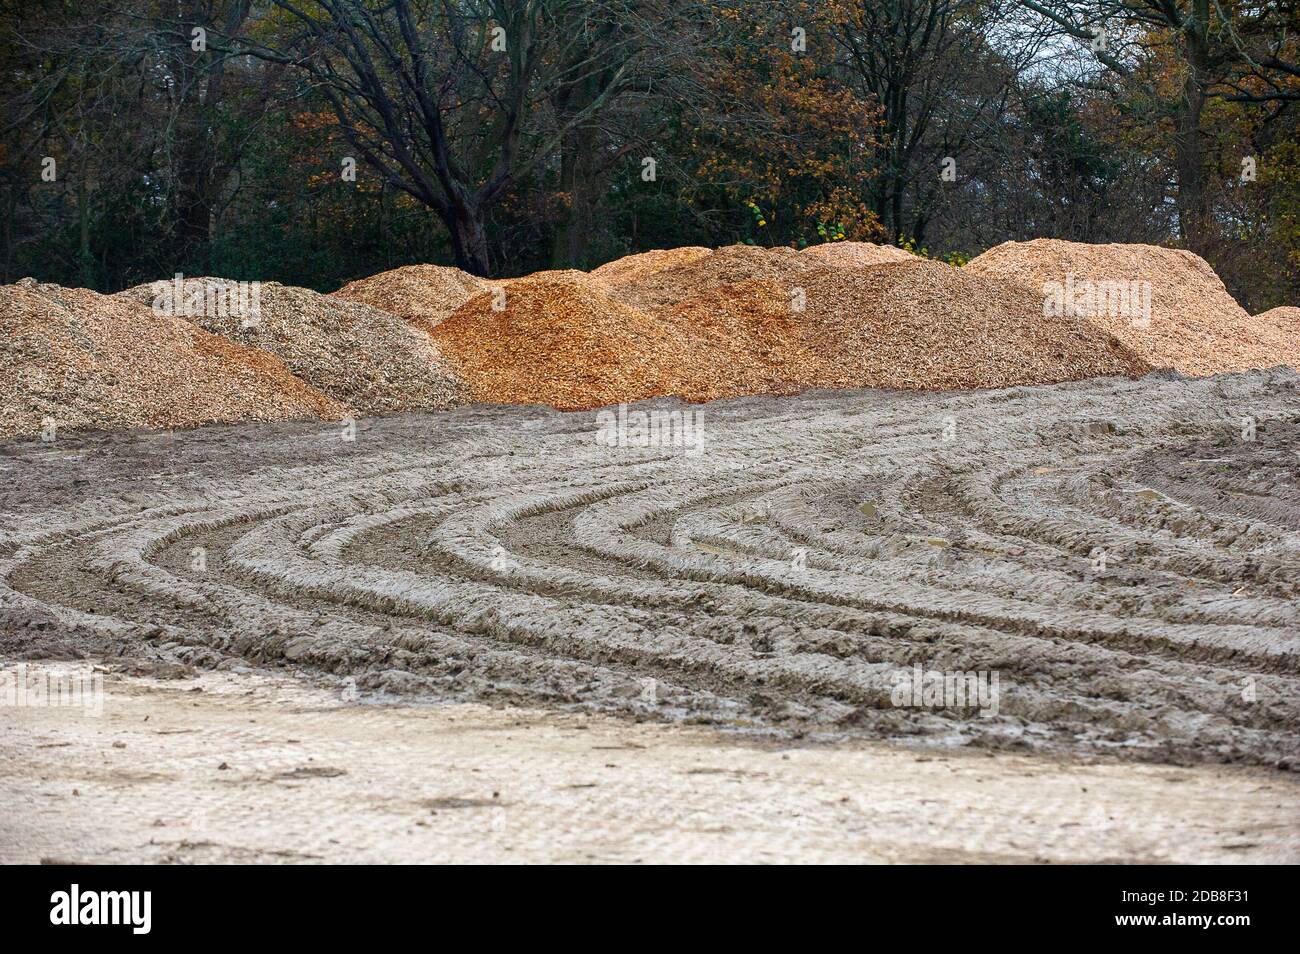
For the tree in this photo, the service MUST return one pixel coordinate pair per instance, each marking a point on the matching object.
(145, 124)
(939, 83)
(783, 139)
(668, 81)
(447, 100)
(1243, 51)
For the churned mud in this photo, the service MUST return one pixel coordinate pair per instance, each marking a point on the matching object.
(1118, 559)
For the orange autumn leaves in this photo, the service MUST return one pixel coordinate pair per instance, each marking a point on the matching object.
(786, 136)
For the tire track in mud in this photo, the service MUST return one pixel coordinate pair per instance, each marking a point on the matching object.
(1117, 552)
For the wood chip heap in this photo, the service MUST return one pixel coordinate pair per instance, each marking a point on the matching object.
(856, 254)
(562, 339)
(692, 322)
(85, 360)
(1282, 322)
(362, 357)
(660, 282)
(788, 324)
(643, 264)
(924, 325)
(422, 294)
(1195, 326)
(755, 341)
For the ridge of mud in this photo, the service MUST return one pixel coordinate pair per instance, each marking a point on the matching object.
(504, 554)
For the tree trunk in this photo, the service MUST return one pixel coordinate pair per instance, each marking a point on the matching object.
(1189, 162)
(1189, 144)
(202, 164)
(887, 190)
(578, 181)
(899, 160)
(194, 200)
(469, 241)
(85, 260)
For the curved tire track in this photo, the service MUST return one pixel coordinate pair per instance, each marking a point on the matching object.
(1114, 550)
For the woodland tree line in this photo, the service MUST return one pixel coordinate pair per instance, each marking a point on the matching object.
(145, 137)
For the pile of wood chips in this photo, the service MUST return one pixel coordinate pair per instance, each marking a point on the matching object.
(692, 322)
(659, 282)
(742, 320)
(856, 254)
(562, 339)
(360, 356)
(643, 264)
(923, 325)
(85, 360)
(1280, 324)
(422, 294)
(1195, 326)
(755, 340)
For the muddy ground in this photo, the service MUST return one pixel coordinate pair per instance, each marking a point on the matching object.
(238, 767)
(1123, 557)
